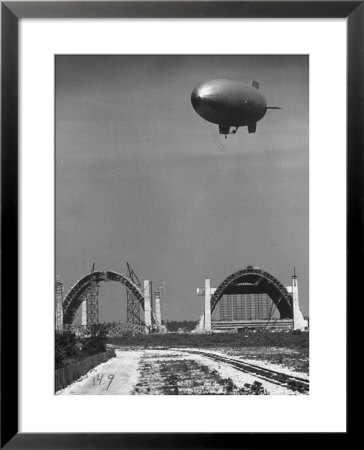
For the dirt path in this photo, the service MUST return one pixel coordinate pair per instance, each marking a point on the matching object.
(116, 376)
(169, 371)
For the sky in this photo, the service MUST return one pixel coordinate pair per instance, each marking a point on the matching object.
(140, 178)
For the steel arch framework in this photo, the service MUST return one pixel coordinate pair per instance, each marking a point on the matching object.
(87, 284)
(259, 280)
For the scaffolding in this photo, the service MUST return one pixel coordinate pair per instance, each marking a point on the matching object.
(163, 298)
(92, 303)
(133, 304)
(59, 304)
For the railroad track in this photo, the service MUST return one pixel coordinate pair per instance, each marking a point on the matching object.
(282, 379)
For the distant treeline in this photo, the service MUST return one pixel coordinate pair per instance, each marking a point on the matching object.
(185, 325)
(172, 325)
(292, 339)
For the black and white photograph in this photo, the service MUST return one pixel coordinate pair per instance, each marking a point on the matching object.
(181, 224)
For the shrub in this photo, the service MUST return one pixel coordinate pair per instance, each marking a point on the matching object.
(96, 342)
(65, 348)
(229, 385)
(295, 386)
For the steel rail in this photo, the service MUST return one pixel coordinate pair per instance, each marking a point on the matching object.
(272, 376)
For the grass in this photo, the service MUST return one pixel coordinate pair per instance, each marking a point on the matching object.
(295, 358)
(288, 349)
(171, 376)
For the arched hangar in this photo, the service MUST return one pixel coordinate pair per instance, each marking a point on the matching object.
(253, 298)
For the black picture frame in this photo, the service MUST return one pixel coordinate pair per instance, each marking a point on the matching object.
(11, 12)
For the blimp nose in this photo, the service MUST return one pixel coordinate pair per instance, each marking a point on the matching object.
(201, 97)
(196, 97)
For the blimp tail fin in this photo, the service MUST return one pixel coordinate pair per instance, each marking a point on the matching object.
(255, 84)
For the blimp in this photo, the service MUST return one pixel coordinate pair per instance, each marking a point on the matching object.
(230, 104)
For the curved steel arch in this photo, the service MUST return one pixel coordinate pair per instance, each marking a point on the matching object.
(77, 293)
(255, 277)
